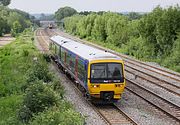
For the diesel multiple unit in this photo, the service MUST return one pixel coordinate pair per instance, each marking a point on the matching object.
(98, 72)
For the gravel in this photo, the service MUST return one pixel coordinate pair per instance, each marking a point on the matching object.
(78, 102)
(142, 112)
(156, 89)
(138, 109)
(157, 75)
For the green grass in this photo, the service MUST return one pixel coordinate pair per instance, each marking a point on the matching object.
(18, 73)
(14, 62)
(14, 65)
(8, 109)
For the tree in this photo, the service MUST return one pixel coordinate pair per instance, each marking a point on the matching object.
(134, 15)
(117, 30)
(5, 2)
(8, 17)
(70, 23)
(98, 31)
(85, 13)
(160, 27)
(64, 12)
(2, 26)
(17, 28)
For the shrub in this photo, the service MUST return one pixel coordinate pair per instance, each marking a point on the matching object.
(24, 114)
(59, 88)
(39, 72)
(3, 90)
(25, 52)
(32, 38)
(57, 117)
(8, 107)
(38, 98)
(46, 57)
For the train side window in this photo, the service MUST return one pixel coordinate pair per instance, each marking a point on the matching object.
(53, 47)
(68, 59)
(81, 71)
(57, 49)
(59, 53)
(72, 63)
(62, 55)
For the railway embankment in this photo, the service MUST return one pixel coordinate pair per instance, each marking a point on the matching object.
(29, 92)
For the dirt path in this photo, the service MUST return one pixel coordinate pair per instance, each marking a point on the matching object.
(6, 39)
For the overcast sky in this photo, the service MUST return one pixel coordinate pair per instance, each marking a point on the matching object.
(50, 6)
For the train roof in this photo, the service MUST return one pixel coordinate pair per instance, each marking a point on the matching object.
(84, 51)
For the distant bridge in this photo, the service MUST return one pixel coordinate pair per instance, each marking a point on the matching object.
(46, 23)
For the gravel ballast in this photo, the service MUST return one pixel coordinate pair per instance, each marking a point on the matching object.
(142, 112)
(139, 110)
(78, 102)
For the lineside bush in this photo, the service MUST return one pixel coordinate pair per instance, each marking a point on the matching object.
(38, 98)
(27, 87)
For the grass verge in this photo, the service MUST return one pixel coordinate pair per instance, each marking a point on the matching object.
(29, 92)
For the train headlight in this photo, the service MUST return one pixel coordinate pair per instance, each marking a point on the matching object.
(95, 86)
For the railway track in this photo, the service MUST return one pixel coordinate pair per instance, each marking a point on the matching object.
(170, 81)
(110, 114)
(41, 40)
(152, 79)
(173, 75)
(170, 109)
(114, 115)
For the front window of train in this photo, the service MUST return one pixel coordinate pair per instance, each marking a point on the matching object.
(107, 73)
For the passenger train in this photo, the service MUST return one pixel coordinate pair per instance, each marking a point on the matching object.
(50, 26)
(100, 73)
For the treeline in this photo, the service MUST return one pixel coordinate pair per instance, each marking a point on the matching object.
(154, 36)
(46, 17)
(13, 21)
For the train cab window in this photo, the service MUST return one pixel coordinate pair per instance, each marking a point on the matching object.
(106, 73)
(114, 71)
(98, 71)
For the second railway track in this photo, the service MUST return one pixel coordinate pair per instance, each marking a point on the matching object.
(170, 81)
(173, 75)
(164, 105)
(111, 114)
(170, 109)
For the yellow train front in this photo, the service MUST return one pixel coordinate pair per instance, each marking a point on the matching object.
(106, 80)
(50, 26)
(98, 72)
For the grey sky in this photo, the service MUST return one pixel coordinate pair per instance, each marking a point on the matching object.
(50, 6)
